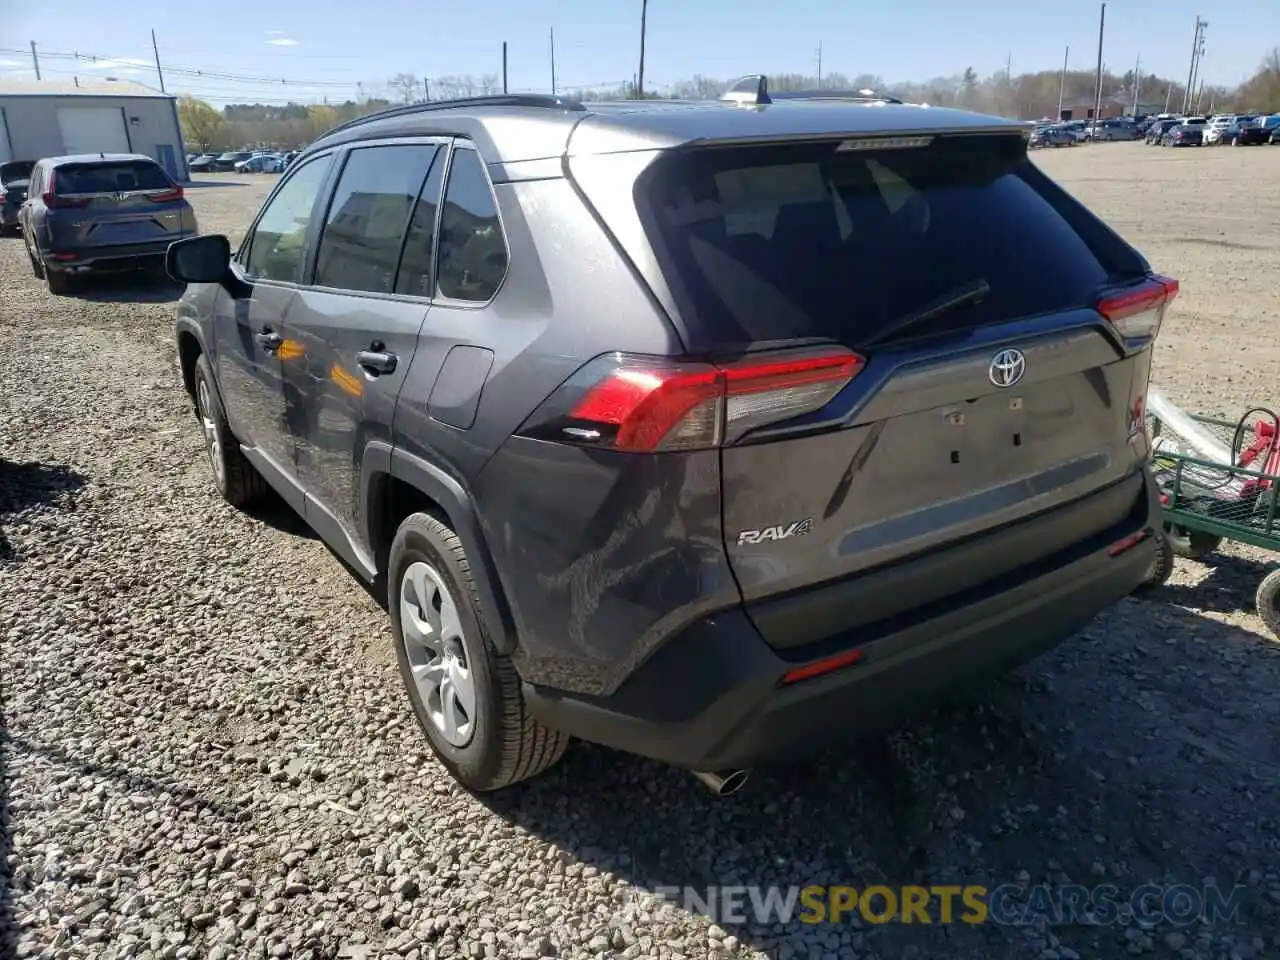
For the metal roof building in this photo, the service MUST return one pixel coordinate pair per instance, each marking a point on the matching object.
(47, 118)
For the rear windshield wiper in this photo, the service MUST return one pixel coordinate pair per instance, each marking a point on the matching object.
(973, 292)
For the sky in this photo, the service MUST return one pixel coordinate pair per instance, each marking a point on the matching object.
(306, 50)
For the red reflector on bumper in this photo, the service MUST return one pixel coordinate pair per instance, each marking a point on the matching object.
(819, 667)
(64, 256)
(1128, 543)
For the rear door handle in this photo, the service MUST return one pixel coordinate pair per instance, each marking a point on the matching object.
(269, 340)
(376, 361)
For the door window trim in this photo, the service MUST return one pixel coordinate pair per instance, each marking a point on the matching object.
(441, 144)
(238, 267)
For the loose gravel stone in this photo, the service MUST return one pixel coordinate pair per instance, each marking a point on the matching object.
(205, 752)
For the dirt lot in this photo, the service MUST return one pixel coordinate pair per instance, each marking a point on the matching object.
(205, 751)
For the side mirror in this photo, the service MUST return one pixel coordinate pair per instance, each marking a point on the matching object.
(199, 259)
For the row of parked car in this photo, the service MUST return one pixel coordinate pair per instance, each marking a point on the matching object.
(1168, 130)
(1243, 130)
(241, 161)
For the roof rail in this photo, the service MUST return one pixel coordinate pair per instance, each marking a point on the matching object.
(544, 101)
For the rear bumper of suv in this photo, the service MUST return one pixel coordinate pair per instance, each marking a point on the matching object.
(115, 257)
(711, 698)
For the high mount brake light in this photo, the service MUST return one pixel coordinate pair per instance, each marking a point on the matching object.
(640, 405)
(1138, 313)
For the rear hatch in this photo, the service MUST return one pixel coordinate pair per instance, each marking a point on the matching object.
(115, 203)
(14, 177)
(941, 304)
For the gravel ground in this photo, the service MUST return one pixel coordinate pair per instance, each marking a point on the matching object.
(205, 751)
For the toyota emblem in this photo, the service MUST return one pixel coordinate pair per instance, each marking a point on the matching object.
(1007, 367)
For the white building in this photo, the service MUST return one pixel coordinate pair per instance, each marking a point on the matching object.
(50, 118)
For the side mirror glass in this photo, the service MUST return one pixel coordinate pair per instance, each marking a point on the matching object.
(203, 259)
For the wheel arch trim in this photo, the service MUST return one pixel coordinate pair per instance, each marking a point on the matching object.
(382, 460)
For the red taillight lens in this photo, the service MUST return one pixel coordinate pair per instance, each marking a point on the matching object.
(641, 406)
(55, 202)
(164, 196)
(1138, 313)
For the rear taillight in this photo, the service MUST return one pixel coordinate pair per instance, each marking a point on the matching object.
(52, 200)
(1138, 313)
(165, 196)
(642, 405)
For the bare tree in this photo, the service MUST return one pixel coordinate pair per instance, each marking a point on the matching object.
(405, 86)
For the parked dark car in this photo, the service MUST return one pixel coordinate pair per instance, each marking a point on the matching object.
(204, 163)
(861, 419)
(226, 162)
(1114, 129)
(1251, 135)
(14, 177)
(100, 212)
(1183, 135)
(1156, 132)
(1054, 136)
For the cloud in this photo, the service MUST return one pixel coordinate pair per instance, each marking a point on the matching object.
(275, 33)
(283, 42)
(10, 63)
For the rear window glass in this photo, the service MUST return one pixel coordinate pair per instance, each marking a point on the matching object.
(778, 243)
(109, 177)
(16, 170)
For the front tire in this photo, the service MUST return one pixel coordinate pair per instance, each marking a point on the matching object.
(465, 694)
(235, 477)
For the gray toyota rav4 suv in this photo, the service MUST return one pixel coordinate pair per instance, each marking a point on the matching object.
(706, 431)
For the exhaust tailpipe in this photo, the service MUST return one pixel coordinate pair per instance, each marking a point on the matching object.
(724, 782)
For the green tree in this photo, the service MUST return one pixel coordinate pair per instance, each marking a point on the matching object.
(202, 125)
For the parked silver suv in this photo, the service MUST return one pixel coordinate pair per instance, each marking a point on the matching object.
(100, 212)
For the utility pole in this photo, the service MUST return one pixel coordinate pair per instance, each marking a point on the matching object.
(644, 19)
(1199, 58)
(553, 61)
(1168, 95)
(1062, 83)
(1097, 93)
(1197, 48)
(426, 90)
(35, 59)
(1137, 83)
(819, 64)
(504, 66)
(156, 50)
(1008, 67)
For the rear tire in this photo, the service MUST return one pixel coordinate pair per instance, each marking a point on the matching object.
(1161, 567)
(235, 477)
(60, 282)
(465, 694)
(37, 268)
(1267, 602)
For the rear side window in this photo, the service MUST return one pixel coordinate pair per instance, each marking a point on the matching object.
(368, 217)
(118, 177)
(780, 243)
(473, 253)
(417, 275)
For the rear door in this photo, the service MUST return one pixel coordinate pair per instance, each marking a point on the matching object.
(119, 203)
(1016, 400)
(358, 319)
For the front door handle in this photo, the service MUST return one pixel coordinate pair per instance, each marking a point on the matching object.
(376, 360)
(269, 340)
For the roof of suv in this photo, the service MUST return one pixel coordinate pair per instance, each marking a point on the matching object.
(510, 129)
(94, 158)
